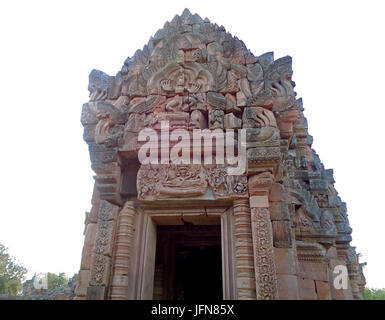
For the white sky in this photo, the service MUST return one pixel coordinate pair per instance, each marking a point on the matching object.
(48, 49)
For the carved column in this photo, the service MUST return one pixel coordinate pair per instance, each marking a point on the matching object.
(264, 265)
(244, 250)
(123, 247)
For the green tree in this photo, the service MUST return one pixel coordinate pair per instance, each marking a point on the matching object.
(374, 294)
(56, 280)
(11, 273)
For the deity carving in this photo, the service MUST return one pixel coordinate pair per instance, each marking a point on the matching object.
(168, 181)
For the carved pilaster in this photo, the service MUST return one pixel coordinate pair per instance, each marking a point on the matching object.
(264, 265)
(101, 264)
(265, 273)
(123, 246)
(244, 250)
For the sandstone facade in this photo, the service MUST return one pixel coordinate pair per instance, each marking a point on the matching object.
(282, 228)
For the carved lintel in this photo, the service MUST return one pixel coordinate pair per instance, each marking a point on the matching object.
(169, 181)
(179, 180)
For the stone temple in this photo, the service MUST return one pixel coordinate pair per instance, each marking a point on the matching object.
(177, 230)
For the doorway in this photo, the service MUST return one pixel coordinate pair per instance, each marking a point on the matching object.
(188, 262)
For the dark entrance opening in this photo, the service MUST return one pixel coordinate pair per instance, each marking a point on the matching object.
(188, 263)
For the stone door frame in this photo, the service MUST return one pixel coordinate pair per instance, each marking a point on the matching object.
(142, 270)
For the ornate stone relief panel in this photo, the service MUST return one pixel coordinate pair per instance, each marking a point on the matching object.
(184, 181)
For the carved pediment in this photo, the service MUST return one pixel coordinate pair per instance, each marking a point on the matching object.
(192, 75)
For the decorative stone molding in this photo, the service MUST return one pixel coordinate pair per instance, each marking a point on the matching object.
(123, 252)
(244, 250)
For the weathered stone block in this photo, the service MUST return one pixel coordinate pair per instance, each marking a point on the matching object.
(232, 122)
(82, 283)
(252, 135)
(282, 236)
(88, 116)
(323, 290)
(316, 270)
(135, 122)
(328, 175)
(89, 238)
(241, 99)
(279, 210)
(216, 101)
(93, 216)
(96, 293)
(332, 253)
(95, 196)
(87, 256)
(260, 184)
(277, 192)
(259, 202)
(216, 119)
(256, 156)
(231, 103)
(307, 289)
(254, 72)
(318, 185)
(285, 261)
(120, 280)
(285, 123)
(287, 287)
(342, 294)
(89, 133)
